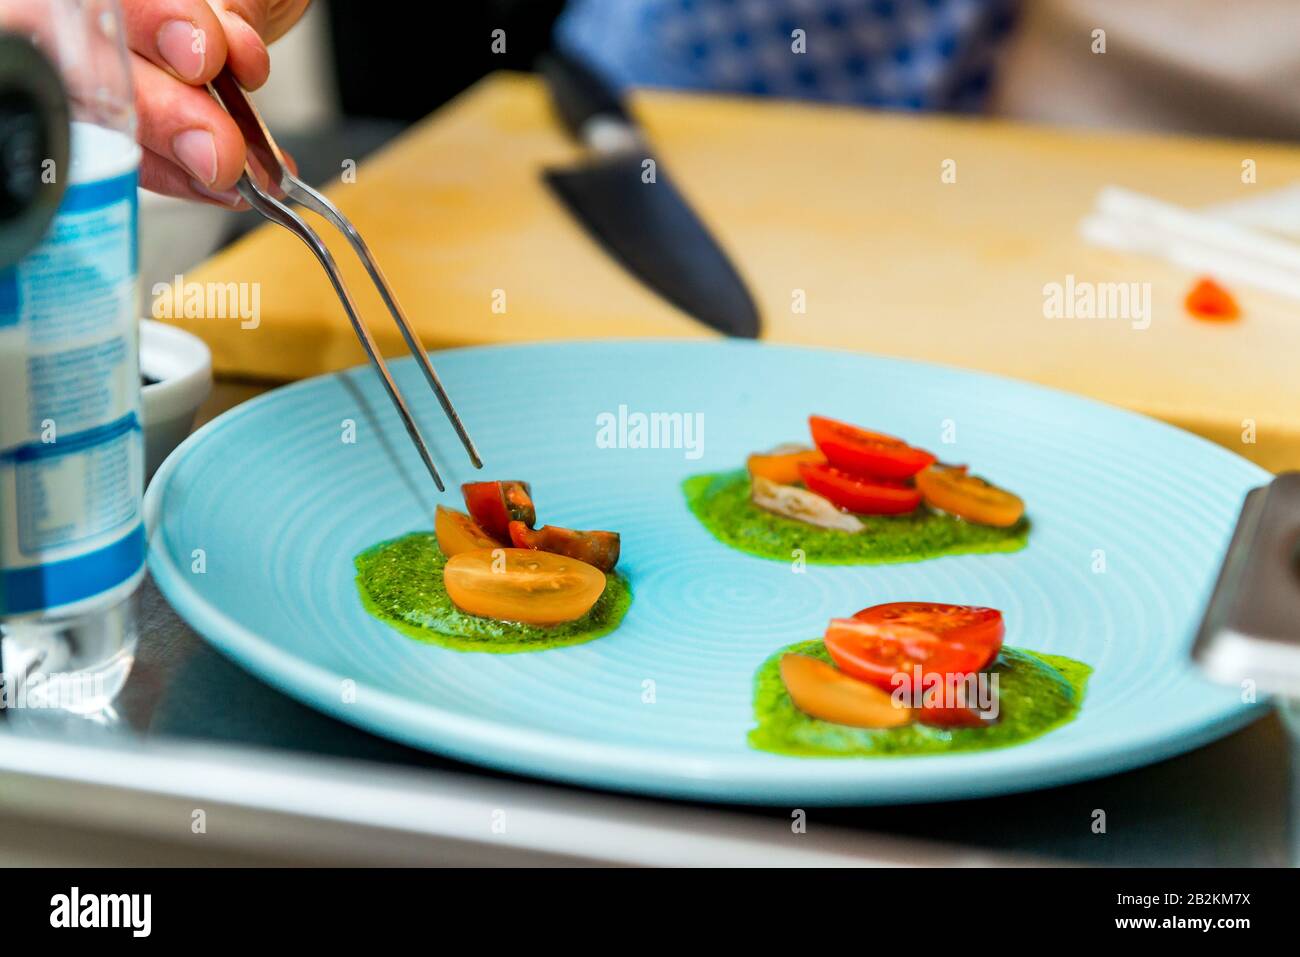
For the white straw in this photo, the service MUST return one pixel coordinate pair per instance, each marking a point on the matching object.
(1133, 222)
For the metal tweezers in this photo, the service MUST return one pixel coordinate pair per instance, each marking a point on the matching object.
(262, 146)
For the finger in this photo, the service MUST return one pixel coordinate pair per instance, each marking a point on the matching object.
(183, 37)
(185, 125)
(242, 21)
(160, 175)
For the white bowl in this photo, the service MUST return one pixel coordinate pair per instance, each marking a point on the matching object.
(182, 364)
(175, 234)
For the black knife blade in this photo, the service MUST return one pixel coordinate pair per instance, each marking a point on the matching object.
(643, 222)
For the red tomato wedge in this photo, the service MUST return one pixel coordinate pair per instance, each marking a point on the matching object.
(866, 453)
(950, 717)
(874, 652)
(494, 505)
(864, 496)
(970, 636)
(594, 548)
(967, 624)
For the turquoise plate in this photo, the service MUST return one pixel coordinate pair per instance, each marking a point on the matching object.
(255, 520)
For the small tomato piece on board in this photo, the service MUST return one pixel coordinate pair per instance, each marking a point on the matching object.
(457, 532)
(1208, 300)
(801, 505)
(856, 450)
(494, 505)
(857, 494)
(594, 548)
(969, 496)
(516, 584)
(781, 465)
(875, 653)
(820, 691)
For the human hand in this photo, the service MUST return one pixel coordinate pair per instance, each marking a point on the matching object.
(192, 147)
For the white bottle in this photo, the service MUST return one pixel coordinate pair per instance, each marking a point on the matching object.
(71, 448)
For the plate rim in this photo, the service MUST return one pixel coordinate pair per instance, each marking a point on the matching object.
(256, 401)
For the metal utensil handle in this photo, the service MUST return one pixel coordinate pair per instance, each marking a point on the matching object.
(319, 204)
(277, 212)
(258, 139)
(580, 94)
(263, 149)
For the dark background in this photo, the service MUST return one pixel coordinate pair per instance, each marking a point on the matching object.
(386, 72)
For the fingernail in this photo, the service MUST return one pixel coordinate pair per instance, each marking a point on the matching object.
(230, 197)
(182, 45)
(197, 150)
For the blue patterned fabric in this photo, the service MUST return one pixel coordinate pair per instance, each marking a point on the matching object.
(903, 54)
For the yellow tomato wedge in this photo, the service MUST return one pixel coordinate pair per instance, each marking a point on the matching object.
(781, 464)
(457, 533)
(519, 584)
(821, 691)
(969, 497)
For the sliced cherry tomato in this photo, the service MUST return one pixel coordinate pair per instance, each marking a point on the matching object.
(594, 548)
(781, 465)
(1208, 300)
(494, 505)
(969, 624)
(862, 495)
(966, 639)
(969, 496)
(516, 584)
(866, 453)
(819, 690)
(875, 653)
(457, 532)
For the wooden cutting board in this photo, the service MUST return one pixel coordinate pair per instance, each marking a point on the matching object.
(839, 220)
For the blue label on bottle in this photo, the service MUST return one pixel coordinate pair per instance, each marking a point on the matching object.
(71, 449)
(53, 584)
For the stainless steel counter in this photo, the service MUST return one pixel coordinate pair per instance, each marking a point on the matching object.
(277, 781)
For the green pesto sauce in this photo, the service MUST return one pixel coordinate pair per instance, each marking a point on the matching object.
(1036, 693)
(721, 502)
(400, 582)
